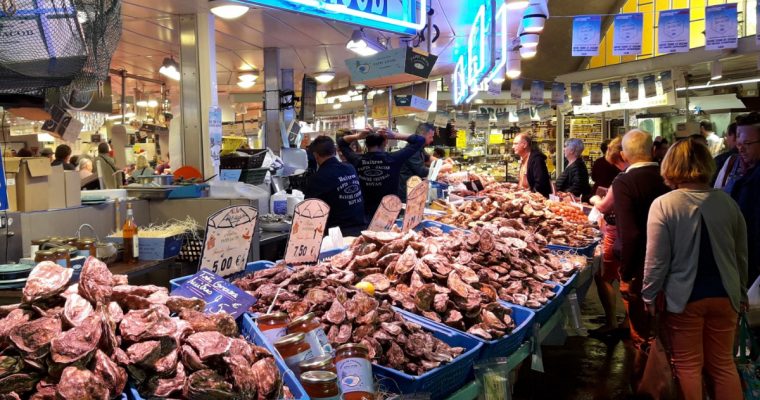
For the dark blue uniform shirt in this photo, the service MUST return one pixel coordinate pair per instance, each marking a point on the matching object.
(337, 184)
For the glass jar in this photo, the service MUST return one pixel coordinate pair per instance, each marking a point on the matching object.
(321, 385)
(293, 349)
(355, 372)
(273, 326)
(62, 256)
(86, 247)
(321, 363)
(315, 335)
(36, 244)
(44, 255)
(71, 241)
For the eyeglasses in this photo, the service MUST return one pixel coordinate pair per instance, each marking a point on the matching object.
(746, 144)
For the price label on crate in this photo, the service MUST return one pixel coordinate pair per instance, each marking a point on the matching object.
(219, 295)
(228, 239)
(309, 221)
(386, 214)
(415, 205)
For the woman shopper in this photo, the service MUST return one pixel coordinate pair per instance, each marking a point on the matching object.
(574, 178)
(697, 258)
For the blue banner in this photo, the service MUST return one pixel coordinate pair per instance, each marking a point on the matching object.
(614, 92)
(627, 37)
(586, 35)
(516, 89)
(576, 92)
(673, 31)
(558, 93)
(721, 27)
(632, 87)
(537, 92)
(219, 295)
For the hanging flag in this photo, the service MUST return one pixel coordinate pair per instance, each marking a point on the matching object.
(494, 88)
(462, 120)
(558, 93)
(586, 35)
(442, 118)
(627, 36)
(666, 80)
(721, 27)
(545, 112)
(673, 31)
(632, 87)
(537, 92)
(502, 119)
(516, 89)
(576, 92)
(482, 121)
(524, 116)
(614, 92)
(650, 87)
(597, 89)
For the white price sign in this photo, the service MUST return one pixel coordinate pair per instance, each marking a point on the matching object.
(228, 239)
(386, 214)
(306, 234)
(415, 205)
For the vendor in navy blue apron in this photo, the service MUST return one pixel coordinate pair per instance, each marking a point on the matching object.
(337, 184)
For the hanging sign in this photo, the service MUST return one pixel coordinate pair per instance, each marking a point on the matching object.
(524, 116)
(386, 214)
(415, 206)
(441, 118)
(597, 91)
(614, 92)
(537, 92)
(476, 61)
(219, 294)
(558, 93)
(545, 112)
(576, 92)
(228, 239)
(305, 242)
(586, 35)
(494, 88)
(666, 81)
(502, 119)
(516, 89)
(461, 139)
(482, 121)
(650, 86)
(632, 89)
(627, 35)
(673, 31)
(462, 120)
(721, 27)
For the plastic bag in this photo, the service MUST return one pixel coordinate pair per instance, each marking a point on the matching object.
(753, 295)
(594, 215)
(493, 376)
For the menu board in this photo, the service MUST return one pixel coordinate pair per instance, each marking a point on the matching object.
(415, 206)
(219, 295)
(305, 242)
(386, 214)
(228, 239)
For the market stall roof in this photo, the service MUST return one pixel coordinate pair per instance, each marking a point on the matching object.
(308, 44)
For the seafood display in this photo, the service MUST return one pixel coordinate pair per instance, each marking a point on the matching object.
(504, 201)
(85, 340)
(348, 315)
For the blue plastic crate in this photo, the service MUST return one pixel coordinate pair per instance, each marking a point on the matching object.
(249, 269)
(131, 393)
(544, 313)
(188, 191)
(587, 251)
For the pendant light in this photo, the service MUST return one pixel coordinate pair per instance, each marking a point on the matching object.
(228, 9)
(535, 16)
(363, 45)
(324, 76)
(170, 69)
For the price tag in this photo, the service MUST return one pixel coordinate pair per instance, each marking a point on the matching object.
(386, 214)
(219, 295)
(415, 206)
(306, 234)
(228, 239)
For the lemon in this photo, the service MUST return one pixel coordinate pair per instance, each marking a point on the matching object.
(366, 287)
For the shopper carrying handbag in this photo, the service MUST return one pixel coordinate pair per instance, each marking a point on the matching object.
(696, 256)
(659, 380)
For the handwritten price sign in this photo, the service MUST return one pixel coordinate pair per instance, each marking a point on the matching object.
(415, 205)
(386, 214)
(228, 239)
(306, 234)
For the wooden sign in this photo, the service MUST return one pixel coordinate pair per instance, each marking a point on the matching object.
(386, 214)
(415, 206)
(228, 239)
(309, 221)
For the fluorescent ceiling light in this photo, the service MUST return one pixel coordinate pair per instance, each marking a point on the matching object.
(248, 76)
(716, 70)
(170, 69)
(246, 84)
(228, 9)
(142, 103)
(363, 45)
(709, 85)
(517, 4)
(535, 16)
(337, 105)
(152, 103)
(324, 76)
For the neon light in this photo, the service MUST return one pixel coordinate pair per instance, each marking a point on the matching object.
(476, 47)
(459, 81)
(501, 58)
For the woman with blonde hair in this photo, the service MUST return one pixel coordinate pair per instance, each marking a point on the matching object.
(696, 257)
(142, 168)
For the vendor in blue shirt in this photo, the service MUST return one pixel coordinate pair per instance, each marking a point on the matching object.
(379, 170)
(416, 164)
(336, 184)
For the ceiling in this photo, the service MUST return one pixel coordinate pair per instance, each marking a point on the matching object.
(308, 44)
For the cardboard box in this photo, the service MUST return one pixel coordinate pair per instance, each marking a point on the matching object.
(73, 188)
(155, 248)
(31, 182)
(57, 185)
(12, 166)
(391, 67)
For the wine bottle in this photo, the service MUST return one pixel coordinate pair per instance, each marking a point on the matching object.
(129, 232)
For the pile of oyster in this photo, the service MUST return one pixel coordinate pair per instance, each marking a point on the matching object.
(83, 341)
(348, 315)
(505, 201)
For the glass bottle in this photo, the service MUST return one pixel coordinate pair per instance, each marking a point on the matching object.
(315, 335)
(321, 385)
(355, 372)
(273, 326)
(320, 363)
(129, 233)
(293, 349)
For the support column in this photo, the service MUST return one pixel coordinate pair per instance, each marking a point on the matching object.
(288, 114)
(272, 137)
(198, 92)
(560, 161)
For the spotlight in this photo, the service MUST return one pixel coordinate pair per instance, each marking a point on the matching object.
(170, 69)
(716, 70)
(228, 9)
(246, 84)
(142, 103)
(152, 103)
(248, 76)
(324, 76)
(528, 52)
(529, 39)
(535, 16)
(363, 45)
(337, 105)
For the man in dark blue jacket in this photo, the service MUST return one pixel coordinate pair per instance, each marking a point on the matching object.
(415, 165)
(336, 184)
(746, 190)
(379, 171)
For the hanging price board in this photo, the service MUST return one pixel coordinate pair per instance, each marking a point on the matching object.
(415, 206)
(386, 214)
(228, 239)
(306, 234)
